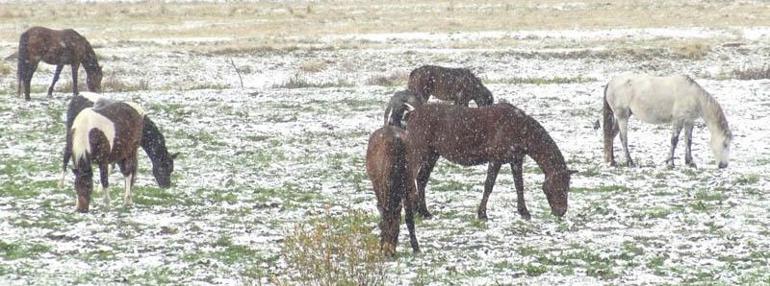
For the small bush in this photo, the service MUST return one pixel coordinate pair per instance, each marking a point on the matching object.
(752, 73)
(693, 51)
(334, 251)
(392, 79)
(313, 66)
(5, 69)
(299, 81)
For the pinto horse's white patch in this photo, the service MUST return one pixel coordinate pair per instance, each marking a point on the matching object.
(86, 121)
(136, 107)
(93, 97)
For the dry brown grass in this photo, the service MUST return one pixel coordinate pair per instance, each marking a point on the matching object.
(248, 22)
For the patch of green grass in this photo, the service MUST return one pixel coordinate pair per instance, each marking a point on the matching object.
(710, 195)
(654, 212)
(747, 179)
(18, 250)
(600, 189)
(534, 269)
(153, 196)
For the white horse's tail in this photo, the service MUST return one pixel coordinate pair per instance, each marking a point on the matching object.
(721, 136)
(608, 124)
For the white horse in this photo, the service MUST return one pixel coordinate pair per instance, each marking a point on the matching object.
(673, 99)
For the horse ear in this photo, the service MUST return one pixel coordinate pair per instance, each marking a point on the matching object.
(173, 156)
(573, 172)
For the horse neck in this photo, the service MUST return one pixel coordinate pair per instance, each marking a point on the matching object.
(89, 62)
(712, 113)
(545, 152)
(153, 142)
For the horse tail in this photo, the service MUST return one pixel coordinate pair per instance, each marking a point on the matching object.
(21, 67)
(608, 126)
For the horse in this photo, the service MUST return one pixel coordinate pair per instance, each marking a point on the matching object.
(386, 168)
(153, 142)
(458, 85)
(400, 103)
(105, 134)
(56, 47)
(675, 99)
(495, 134)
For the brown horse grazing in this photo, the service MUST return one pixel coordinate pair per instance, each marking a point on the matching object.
(153, 142)
(108, 133)
(400, 103)
(385, 167)
(497, 134)
(56, 47)
(454, 84)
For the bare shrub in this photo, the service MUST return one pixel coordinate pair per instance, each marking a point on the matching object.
(300, 81)
(313, 66)
(693, 51)
(391, 79)
(335, 251)
(752, 73)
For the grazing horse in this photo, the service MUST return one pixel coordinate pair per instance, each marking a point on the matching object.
(458, 85)
(496, 134)
(153, 142)
(400, 103)
(105, 134)
(673, 99)
(56, 47)
(385, 167)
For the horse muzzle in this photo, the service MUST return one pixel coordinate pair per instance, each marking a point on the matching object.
(722, 165)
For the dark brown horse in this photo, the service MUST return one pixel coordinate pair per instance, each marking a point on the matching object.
(106, 134)
(385, 167)
(496, 134)
(56, 47)
(153, 141)
(453, 84)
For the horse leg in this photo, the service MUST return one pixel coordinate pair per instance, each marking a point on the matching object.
(75, 67)
(518, 182)
(422, 182)
(609, 142)
(677, 128)
(55, 78)
(414, 161)
(492, 169)
(688, 144)
(104, 173)
(623, 125)
(128, 168)
(30, 70)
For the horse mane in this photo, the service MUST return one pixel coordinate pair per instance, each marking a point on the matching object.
(711, 110)
(153, 142)
(540, 145)
(90, 62)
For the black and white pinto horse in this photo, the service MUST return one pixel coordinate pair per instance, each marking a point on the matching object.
(153, 142)
(108, 133)
(673, 99)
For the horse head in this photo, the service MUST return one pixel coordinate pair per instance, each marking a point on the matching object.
(401, 103)
(83, 186)
(720, 145)
(163, 169)
(94, 79)
(556, 188)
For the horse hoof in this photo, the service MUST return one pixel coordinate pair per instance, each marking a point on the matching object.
(691, 165)
(482, 216)
(425, 214)
(525, 215)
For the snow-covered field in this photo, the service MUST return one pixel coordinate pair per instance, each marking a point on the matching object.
(258, 160)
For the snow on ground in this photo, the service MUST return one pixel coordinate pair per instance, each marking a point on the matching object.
(256, 161)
